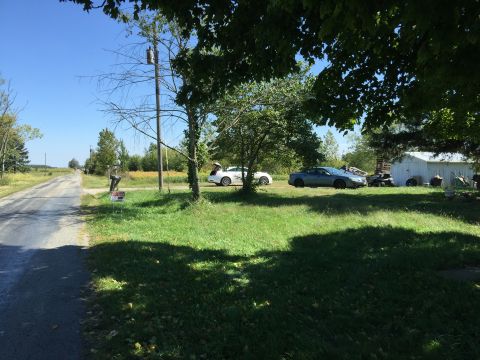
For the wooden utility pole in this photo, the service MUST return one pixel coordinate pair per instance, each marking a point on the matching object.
(153, 58)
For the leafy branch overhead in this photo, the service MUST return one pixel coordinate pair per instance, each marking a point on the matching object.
(384, 60)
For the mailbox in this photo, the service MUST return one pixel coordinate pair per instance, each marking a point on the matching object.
(114, 180)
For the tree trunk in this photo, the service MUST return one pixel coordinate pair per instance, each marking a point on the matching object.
(242, 156)
(248, 185)
(192, 154)
(3, 152)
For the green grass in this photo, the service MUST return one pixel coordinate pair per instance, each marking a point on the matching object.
(12, 183)
(284, 274)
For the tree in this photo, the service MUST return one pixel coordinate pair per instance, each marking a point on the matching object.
(106, 154)
(17, 156)
(149, 159)
(173, 160)
(7, 131)
(202, 147)
(361, 155)
(12, 135)
(122, 155)
(135, 163)
(385, 61)
(258, 118)
(176, 105)
(329, 148)
(281, 160)
(73, 164)
(438, 132)
(91, 163)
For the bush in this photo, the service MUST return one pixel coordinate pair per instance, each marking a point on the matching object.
(135, 163)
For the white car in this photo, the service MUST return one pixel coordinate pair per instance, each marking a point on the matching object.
(233, 176)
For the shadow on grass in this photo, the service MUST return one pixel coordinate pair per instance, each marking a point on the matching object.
(160, 203)
(339, 203)
(351, 294)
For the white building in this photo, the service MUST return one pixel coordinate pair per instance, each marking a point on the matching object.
(424, 165)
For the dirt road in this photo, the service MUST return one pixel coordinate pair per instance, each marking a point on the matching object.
(42, 272)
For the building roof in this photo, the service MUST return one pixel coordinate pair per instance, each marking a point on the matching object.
(442, 157)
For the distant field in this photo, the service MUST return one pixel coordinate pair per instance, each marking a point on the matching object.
(149, 179)
(16, 182)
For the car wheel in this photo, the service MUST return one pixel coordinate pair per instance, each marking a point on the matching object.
(263, 180)
(339, 184)
(225, 181)
(299, 183)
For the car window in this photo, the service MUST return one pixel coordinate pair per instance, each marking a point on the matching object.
(323, 172)
(239, 169)
(337, 172)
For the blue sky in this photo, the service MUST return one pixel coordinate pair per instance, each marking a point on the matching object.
(50, 51)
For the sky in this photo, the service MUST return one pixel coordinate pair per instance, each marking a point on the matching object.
(51, 53)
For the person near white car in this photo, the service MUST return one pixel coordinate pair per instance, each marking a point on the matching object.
(233, 176)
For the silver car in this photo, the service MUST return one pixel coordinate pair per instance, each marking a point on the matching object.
(326, 176)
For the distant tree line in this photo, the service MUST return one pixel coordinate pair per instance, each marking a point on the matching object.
(278, 160)
(111, 153)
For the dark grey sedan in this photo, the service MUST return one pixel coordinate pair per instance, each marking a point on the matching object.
(326, 176)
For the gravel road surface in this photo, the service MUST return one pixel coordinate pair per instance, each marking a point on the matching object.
(42, 272)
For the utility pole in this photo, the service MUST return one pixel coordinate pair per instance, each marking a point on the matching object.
(87, 169)
(152, 58)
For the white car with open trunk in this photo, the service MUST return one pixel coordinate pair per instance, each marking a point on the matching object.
(233, 176)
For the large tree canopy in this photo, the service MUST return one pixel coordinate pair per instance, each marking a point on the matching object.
(386, 58)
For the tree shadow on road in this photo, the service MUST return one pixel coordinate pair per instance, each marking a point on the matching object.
(42, 294)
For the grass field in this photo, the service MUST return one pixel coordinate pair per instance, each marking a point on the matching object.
(15, 182)
(284, 274)
(137, 179)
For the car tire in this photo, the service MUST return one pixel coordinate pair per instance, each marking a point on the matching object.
(339, 184)
(263, 180)
(411, 182)
(225, 181)
(298, 183)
